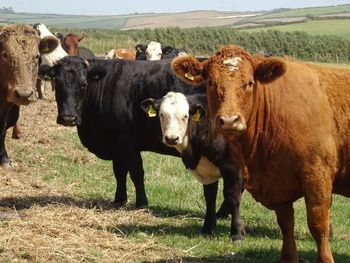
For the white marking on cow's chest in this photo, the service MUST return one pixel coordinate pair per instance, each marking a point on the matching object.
(206, 172)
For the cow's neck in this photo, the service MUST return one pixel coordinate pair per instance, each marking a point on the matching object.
(258, 123)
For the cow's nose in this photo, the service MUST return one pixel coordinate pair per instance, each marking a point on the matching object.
(233, 123)
(171, 139)
(23, 92)
(67, 120)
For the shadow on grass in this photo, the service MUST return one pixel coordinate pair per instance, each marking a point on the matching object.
(158, 211)
(258, 255)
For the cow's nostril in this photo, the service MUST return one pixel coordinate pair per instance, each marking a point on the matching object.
(171, 140)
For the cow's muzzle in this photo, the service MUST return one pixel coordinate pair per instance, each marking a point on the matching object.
(232, 125)
(67, 120)
(171, 140)
(23, 95)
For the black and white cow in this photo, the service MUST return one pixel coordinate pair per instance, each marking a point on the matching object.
(154, 51)
(186, 127)
(102, 98)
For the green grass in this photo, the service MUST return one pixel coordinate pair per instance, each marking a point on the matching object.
(321, 27)
(177, 201)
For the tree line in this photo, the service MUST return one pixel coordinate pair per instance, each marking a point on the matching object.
(205, 41)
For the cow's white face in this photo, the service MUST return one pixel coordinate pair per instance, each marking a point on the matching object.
(154, 51)
(43, 31)
(174, 116)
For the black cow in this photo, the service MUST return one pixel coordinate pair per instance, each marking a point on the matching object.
(186, 127)
(107, 112)
(154, 51)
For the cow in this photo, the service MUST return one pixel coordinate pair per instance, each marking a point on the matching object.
(19, 57)
(50, 51)
(71, 45)
(154, 51)
(103, 102)
(291, 121)
(186, 127)
(120, 53)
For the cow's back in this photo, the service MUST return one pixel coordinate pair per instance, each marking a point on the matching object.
(113, 115)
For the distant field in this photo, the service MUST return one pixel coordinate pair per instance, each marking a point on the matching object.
(321, 27)
(316, 11)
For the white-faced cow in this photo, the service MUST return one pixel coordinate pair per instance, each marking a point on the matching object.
(186, 127)
(19, 57)
(154, 51)
(291, 121)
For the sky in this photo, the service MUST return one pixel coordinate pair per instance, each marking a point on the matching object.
(117, 7)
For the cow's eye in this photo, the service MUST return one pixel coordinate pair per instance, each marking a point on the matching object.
(4, 54)
(250, 84)
(185, 117)
(161, 115)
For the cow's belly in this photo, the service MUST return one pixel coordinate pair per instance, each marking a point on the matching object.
(206, 172)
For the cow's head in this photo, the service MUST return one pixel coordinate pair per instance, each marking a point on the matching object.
(19, 57)
(71, 76)
(71, 42)
(232, 78)
(176, 112)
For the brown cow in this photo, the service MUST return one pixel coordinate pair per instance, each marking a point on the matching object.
(71, 45)
(121, 53)
(19, 57)
(291, 121)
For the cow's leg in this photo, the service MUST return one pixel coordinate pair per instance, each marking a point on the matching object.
(318, 201)
(285, 220)
(13, 117)
(16, 132)
(210, 193)
(137, 175)
(120, 173)
(223, 211)
(232, 178)
(4, 159)
(39, 89)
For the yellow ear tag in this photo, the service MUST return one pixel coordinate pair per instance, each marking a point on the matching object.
(152, 112)
(196, 116)
(189, 76)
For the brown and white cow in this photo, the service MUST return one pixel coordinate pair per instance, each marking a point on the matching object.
(291, 121)
(121, 53)
(19, 56)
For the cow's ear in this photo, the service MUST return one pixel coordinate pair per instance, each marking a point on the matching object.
(96, 72)
(46, 72)
(189, 69)
(270, 69)
(167, 50)
(150, 107)
(140, 48)
(196, 112)
(48, 44)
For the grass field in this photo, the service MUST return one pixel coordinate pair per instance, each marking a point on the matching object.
(55, 206)
(321, 27)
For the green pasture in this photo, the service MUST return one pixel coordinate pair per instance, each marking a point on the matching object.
(177, 207)
(339, 28)
(313, 11)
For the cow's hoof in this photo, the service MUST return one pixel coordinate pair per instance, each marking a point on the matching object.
(141, 206)
(239, 236)
(16, 135)
(119, 204)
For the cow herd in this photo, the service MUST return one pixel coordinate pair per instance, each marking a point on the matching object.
(276, 127)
